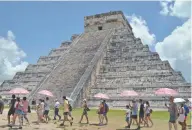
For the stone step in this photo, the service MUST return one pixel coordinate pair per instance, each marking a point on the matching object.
(29, 76)
(145, 73)
(57, 52)
(75, 62)
(129, 59)
(65, 44)
(39, 68)
(115, 83)
(48, 59)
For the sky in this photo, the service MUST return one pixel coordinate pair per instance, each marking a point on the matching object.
(29, 30)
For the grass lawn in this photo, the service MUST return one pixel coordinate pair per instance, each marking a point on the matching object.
(116, 121)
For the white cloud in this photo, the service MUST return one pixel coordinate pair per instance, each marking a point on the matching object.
(10, 57)
(178, 8)
(177, 49)
(141, 30)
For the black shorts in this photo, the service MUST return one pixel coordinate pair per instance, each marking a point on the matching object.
(66, 113)
(134, 116)
(148, 114)
(46, 112)
(11, 112)
(141, 115)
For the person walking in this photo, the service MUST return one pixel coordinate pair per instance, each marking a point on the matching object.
(181, 117)
(1, 105)
(141, 112)
(56, 109)
(70, 111)
(40, 111)
(147, 114)
(47, 108)
(106, 109)
(85, 109)
(25, 109)
(186, 113)
(127, 116)
(134, 109)
(11, 108)
(173, 112)
(66, 112)
(18, 112)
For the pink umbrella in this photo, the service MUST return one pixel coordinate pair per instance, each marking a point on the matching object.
(101, 95)
(18, 91)
(166, 91)
(128, 93)
(46, 92)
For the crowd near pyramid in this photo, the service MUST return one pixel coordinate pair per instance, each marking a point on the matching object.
(105, 58)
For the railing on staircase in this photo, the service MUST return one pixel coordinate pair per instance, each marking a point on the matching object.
(74, 95)
(57, 64)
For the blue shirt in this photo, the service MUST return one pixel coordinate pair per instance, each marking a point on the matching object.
(185, 107)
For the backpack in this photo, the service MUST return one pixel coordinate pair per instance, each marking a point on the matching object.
(70, 107)
(186, 109)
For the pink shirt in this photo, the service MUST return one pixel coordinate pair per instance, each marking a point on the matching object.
(25, 106)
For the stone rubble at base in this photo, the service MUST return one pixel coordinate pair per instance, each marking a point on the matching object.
(106, 58)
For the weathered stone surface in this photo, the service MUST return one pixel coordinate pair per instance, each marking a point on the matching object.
(106, 58)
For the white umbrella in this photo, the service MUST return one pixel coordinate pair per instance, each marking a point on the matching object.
(190, 99)
(179, 100)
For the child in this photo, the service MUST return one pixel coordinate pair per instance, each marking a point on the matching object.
(127, 117)
(40, 112)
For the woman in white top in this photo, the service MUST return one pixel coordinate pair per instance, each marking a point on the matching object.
(147, 114)
(181, 116)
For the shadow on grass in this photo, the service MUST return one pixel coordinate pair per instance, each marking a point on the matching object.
(189, 127)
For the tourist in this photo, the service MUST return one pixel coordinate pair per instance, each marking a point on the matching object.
(134, 109)
(40, 111)
(100, 113)
(85, 109)
(25, 109)
(1, 105)
(172, 109)
(181, 117)
(148, 111)
(47, 108)
(18, 112)
(70, 111)
(186, 113)
(127, 116)
(11, 109)
(56, 109)
(141, 111)
(106, 109)
(66, 112)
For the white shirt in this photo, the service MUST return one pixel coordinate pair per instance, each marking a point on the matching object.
(47, 105)
(42, 106)
(128, 113)
(57, 104)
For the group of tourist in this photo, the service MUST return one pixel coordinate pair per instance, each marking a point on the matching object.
(19, 108)
(177, 113)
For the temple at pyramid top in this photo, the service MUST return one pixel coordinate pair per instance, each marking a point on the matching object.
(104, 21)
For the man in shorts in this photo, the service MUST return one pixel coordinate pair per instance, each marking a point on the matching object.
(141, 111)
(106, 109)
(11, 109)
(134, 109)
(66, 112)
(47, 108)
(172, 109)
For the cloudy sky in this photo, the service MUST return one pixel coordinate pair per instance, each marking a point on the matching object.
(29, 30)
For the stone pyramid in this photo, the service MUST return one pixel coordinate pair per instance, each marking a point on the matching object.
(105, 58)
